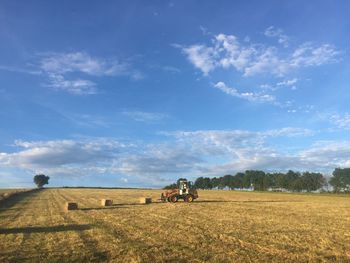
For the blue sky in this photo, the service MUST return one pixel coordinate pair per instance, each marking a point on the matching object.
(141, 93)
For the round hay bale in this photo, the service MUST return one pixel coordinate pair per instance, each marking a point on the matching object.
(71, 206)
(145, 200)
(106, 202)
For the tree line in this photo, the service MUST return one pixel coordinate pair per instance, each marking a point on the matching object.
(260, 181)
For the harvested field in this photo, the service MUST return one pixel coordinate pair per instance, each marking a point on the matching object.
(6, 193)
(221, 226)
(3, 191)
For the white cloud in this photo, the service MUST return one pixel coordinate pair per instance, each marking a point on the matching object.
(171, 69)
(241, 150)
(61, 63)
(277, 33)
(251, 59)
(47, 154)
(58, 67)
(183, 153)
(289, 132)
(201, 57)
(77, 86)
(330, 154)
(143, 116)
(341, 121)
(309, 55)
(250, 96)
(21, 70)
(158, 159)
(290, 83)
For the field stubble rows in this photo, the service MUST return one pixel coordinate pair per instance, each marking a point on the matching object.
(222, 226)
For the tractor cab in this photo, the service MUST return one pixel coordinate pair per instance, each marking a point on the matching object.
(185, 186)
(185, 191)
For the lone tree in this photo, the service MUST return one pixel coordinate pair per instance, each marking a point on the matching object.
(41, 179)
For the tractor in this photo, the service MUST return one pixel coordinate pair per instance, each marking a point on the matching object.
(185, 192)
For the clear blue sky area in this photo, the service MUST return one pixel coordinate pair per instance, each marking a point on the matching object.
(140, 93)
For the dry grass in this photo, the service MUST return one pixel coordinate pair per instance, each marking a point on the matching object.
(221, 226)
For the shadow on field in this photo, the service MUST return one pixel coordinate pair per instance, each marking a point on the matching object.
(213, 201)
(49, 229)
(249, 201)
(17, 197)
(100, 208)
(118, 206)
(139, 204)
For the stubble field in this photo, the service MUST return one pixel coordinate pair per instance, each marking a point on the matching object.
(221, 226)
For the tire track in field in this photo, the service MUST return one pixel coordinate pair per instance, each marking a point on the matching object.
(130, 238)
(53, 204)
(88, 239)
(19, 208)
(124, 242)
(24, 253)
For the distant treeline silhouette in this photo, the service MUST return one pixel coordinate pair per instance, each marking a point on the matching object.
(290, 181)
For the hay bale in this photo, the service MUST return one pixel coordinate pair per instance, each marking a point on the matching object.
(5, 195)
(106, 202)
(71, 206)
(145, 200)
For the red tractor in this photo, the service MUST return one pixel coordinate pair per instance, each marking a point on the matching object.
(185, 192)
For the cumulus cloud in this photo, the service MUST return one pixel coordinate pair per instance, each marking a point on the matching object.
(182, 153)
(226, 51)
(241, 150)
(47, 154)
(202, 57)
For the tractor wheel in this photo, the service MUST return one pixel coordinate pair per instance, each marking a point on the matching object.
(189, 198)
(173, 199)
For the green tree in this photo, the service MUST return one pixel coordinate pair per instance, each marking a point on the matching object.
(238, 180)
(341, 180)
(312, 181)
(215, 182)
(41, 179)
(207, 183)
(258, 179)
(289, 178)
(199, 183)
(228, 181)
(297, 185)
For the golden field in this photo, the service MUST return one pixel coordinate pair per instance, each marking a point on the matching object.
(221, 226)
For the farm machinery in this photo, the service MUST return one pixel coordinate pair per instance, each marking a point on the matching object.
(184, 191)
